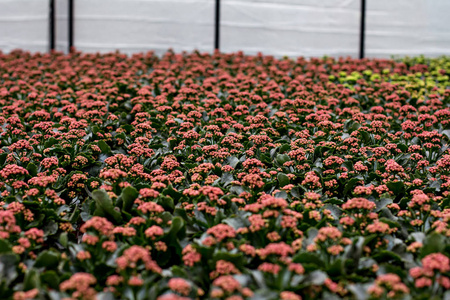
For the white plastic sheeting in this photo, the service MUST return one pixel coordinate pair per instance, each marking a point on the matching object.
(24, 24)
(141, 25)
(275, 27)
(291, 27)
(407, 27)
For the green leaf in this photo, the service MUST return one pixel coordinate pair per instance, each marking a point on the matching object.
(396, 187)
(281, 194)
(259, 279)
(310, 258)
(435, 185)
(387, 214)
(318, 165)
(265, 159)
(64, 239)
(382, 203)
(372, 176)
(3, 158)
(387, 256)
(350, 184)
(446, 295)
(178, 271)
(317, 277)
(176, 195)
(368, 239)
(418, 236)
(237, 259)
(226, 179)
(74, 216)
(50, 142)
(50, 278)
(354, 251)
(177, 228)
(47, 259)
(237, 189)
(108, 296)
(32, 169)
(334, 201)
(234, 222)
(433, 243)
(391, 223)
(129, 194)
(284, 148)
(232, 161)
(104, 147)
(5, 246)
(402, 147)
(166, 202)
(282, 158)
(31, 280)
(446, 133)
(295, 192)
(367, 137)
(394, 268)
(105, 206)
(95, 129)
(336, 268)
(283, 179)
(335, 210)
(50, 228)
(358, 290)
(8, 267)
(320, 150)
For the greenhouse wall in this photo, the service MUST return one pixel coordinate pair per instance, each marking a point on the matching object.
(283, 27)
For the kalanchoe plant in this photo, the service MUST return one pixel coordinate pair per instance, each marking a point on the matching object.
(223, 176)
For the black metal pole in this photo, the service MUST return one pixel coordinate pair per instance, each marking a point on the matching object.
(217, 26)
(51, 20)
(362, 32)
(70, 25)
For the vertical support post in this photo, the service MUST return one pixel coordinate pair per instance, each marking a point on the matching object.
(70, 25)
(51, 23)
(217, 26)
(362, 31)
